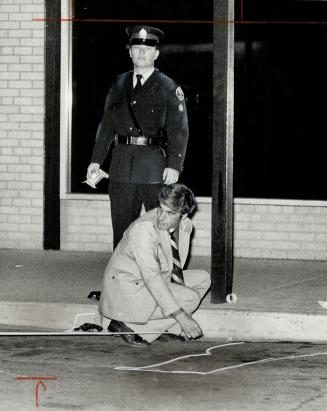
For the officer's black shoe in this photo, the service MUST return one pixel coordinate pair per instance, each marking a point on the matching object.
(119, 327)
(171, 337)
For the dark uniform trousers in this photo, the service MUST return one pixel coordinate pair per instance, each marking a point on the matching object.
(126, 200)
(136, 172)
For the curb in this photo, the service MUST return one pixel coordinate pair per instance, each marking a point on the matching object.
(58, 316)
(253, 326)
(231, 325)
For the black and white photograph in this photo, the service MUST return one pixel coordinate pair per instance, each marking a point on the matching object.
(163, 206)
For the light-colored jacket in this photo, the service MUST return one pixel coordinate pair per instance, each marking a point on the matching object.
(137, 276)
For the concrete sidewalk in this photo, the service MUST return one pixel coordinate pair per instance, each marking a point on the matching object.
(277, 299)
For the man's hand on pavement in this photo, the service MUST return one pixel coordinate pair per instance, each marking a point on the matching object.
(190, 327)
(170, 176)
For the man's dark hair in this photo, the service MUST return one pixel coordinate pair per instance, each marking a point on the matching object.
(178, 197)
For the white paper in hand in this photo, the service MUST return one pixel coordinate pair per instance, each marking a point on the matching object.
(94, 178)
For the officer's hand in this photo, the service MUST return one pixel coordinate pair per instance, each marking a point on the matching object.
(190, 327)
(93, 168)
(170, 176)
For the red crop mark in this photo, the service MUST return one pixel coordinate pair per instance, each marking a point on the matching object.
(242, 10)
(37, 385)
(170, 21)
(36, 378)
(73, 8)
(37, 391)
(73, 19)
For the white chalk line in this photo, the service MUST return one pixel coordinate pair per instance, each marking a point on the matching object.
(208, 353)
(72, 330)
(76, 317)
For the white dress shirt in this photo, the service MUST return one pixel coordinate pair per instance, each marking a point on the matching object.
(144, 78)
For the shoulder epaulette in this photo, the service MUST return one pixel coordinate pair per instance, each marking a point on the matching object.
(121, 78)
(166, 81)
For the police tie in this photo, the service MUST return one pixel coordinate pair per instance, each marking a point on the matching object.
(138, 83)
(177, 273)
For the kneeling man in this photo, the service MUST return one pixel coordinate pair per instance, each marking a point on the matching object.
(145, 292)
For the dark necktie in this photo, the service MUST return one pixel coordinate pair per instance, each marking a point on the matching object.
(138, 83)
(177, 273)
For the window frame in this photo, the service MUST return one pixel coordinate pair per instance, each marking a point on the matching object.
(66, 99)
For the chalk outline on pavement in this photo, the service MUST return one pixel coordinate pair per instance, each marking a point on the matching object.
(208, 353)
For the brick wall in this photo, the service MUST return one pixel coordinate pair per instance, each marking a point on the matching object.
(21, 123)
(281, 229)
(262, 228)
(86, 226)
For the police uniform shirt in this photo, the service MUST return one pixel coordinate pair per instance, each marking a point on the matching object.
(158, 106)
(144, 78)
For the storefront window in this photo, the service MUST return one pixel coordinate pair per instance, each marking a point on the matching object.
(99, 54)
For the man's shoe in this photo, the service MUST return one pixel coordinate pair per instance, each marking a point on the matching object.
(171, 337)
(119, 327)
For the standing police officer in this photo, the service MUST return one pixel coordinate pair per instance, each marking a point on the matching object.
(145, 119)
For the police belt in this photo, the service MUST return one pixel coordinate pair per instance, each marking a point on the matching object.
(137, 140)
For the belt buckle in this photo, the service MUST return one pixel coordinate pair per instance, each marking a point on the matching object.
(128, 140)
(144, 141)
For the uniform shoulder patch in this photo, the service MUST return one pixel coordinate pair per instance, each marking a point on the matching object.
(179, 94)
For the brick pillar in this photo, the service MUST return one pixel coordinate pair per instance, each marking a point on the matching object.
(21, 124)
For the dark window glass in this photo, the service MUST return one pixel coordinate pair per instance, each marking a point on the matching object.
(100, 54)
(280, 100)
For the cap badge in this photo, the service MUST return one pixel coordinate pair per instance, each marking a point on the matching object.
(143, 33)
(179, 94)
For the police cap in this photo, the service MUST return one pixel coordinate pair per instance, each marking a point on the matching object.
(149, 36)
